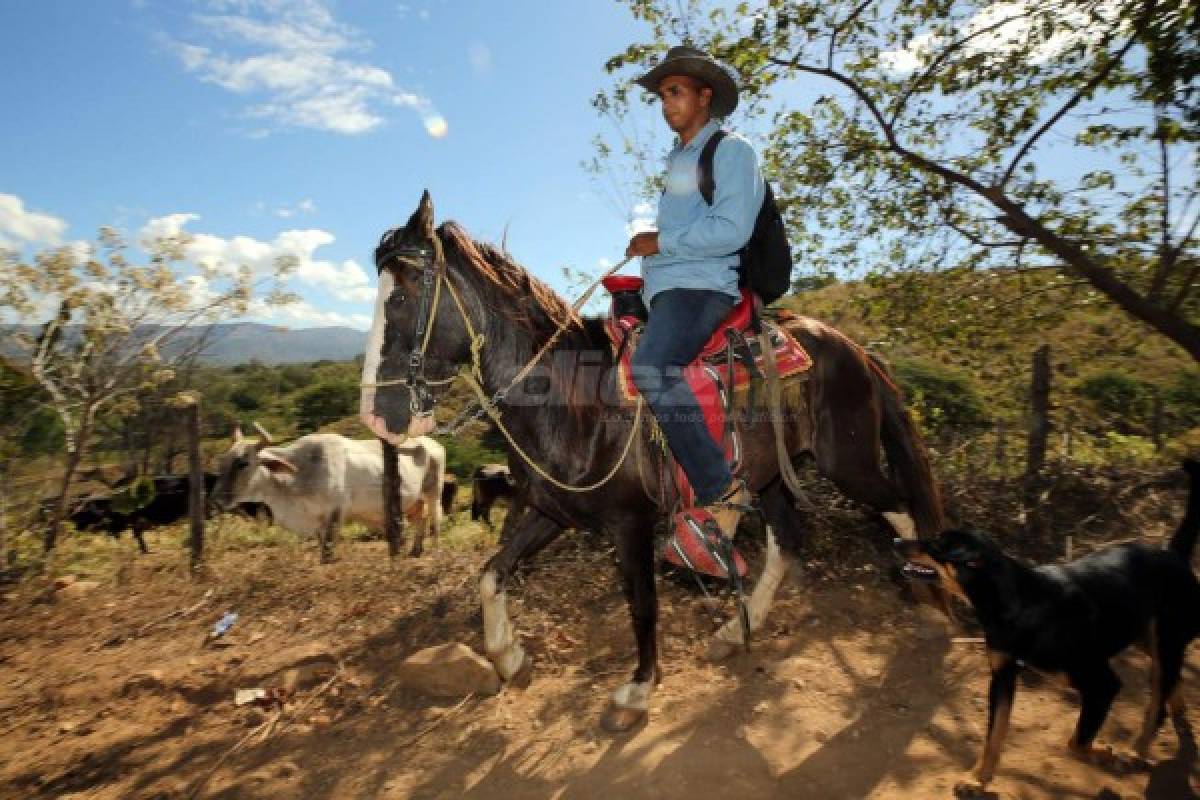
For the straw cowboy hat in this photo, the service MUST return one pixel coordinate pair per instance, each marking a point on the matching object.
(697, 64)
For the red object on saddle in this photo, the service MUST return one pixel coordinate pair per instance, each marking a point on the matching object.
(623, 283)
(739, 319)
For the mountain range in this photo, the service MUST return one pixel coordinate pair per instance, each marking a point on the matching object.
(238, 343)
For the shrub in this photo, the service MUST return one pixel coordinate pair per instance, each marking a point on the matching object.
(325, 403)
(1118, 394)
(944, 399)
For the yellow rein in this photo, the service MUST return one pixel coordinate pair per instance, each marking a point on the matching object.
(475, 378)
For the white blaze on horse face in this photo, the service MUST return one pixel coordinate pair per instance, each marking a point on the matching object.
(902, 524)
(760, 602)
(373, 356)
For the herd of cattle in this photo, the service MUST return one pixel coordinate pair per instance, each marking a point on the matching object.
(311, 486)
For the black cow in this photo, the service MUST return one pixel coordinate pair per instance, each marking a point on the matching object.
(489, 484)
(449, 491)
(169, 504)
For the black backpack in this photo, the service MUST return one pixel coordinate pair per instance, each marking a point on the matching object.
(766, 260)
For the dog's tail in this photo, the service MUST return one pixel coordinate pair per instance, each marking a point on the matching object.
(906, 454)
(1184, 540)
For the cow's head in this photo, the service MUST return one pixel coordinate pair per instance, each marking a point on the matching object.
(244, 465)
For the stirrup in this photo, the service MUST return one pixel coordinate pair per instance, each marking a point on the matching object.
(738, 485)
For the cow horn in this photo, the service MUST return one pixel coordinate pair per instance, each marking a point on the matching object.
(237, 434)
(262, 433)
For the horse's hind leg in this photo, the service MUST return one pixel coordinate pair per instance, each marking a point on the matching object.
(847, 451)
(780, 515)
(530, 534)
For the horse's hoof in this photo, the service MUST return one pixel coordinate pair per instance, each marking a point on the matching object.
(1108, 759)
(719, 650)
(619, 720)
(524, 674)
(972, 790)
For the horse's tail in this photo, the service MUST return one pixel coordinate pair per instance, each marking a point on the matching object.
(907, 458)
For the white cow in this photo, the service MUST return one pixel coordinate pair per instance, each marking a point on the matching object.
(322, 480)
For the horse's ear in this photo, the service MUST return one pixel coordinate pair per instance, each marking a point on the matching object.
(422, 219)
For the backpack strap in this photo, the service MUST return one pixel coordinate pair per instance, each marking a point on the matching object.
(708, 183)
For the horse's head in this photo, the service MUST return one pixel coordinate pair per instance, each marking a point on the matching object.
(417, 333)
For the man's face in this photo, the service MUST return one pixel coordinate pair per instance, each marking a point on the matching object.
(684, 102)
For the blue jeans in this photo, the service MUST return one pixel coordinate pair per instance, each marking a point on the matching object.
(681, 321)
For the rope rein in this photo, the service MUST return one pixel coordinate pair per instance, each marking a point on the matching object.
(474, 378)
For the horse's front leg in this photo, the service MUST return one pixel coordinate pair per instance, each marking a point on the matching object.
(530, 533)
(730, 636)
(782, 520)
(635, 549)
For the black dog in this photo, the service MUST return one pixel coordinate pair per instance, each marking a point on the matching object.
(1072, 619)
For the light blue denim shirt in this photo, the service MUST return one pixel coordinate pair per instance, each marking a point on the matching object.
(698, 243)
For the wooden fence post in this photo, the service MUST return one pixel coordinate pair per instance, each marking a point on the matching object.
(1068, 436)
(196, 498)
(1001, 456)
(393, 518)
(1156, 421)
(1039, 409)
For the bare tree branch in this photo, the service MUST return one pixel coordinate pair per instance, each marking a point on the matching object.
(1080, 94)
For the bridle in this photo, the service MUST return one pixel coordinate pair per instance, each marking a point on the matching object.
(421, 401)
(433, 263)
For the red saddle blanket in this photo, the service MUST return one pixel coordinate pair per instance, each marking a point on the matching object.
(703, 373)
(708, 377)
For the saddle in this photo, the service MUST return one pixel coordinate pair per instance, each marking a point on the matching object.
(728, 364)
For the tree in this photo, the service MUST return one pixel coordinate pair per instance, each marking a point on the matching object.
(1029, 134)
(326, 403)
(116, 328)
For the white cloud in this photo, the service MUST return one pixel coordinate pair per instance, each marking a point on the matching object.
(1076, 26)
(642, 218)
(305, 206)
(304, 313)
(346, 280)
(165, 227)
(198, 291)
(19, 225)
(291, 57)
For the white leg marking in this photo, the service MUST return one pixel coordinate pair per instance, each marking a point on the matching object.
(498, 638)
(902, 524)
(373, 355)
(635, 696)
(759, 604)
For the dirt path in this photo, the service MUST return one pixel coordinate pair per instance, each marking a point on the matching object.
(843, 696)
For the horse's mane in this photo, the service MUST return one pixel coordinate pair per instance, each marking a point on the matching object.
(514, 281)
(533, 305)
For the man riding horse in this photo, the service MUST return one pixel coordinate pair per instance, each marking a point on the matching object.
(690, 266)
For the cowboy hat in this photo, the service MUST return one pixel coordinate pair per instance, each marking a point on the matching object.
(683, 60)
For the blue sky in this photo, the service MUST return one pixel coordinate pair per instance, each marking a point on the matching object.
(309, 127)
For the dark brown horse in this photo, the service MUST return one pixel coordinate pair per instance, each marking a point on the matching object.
(467, 297)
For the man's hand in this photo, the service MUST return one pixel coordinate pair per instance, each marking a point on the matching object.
(643, 244)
